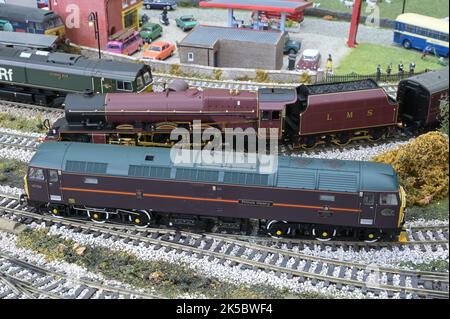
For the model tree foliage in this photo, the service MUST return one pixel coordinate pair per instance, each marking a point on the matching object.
(422, 166)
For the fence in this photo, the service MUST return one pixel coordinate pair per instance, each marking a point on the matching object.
(382, 77)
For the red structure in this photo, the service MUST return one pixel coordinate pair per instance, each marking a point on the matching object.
(113, 16)
(354, 24)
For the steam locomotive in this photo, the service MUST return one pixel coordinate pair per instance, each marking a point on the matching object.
(305, 116)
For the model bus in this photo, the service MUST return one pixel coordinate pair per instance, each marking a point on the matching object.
(418, 32)
(31, 20)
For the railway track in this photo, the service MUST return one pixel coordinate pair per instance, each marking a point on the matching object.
(422, 238)
(24, 106)
(161, 80)
(226, 250)
(22, 141)
(23, 279)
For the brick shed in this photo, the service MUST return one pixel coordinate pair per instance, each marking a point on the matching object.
(233, 48)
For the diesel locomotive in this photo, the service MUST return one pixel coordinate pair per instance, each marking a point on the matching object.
(304, 116)
(145, 186)
(45, 78)
(30, 20)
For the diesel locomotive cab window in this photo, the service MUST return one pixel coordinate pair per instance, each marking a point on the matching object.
(369, 199)
(140, 83)
(53, 176)
(124, 86)
(388, 199)
(275, 115)
(36, 174)
(147, 78)
(39, 26)
(266, 115)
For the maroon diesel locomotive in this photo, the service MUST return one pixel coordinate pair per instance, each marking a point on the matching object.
(304, 116)
(144, 186)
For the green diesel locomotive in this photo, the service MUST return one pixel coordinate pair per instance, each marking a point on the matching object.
(44, 78)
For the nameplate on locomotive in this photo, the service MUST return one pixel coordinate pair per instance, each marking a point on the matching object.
(252, 202)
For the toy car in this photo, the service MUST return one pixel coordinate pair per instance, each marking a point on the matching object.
(150, 31)
(186, 22)
(310, 60)
(160, 4)
(291, 46)
(159, 51)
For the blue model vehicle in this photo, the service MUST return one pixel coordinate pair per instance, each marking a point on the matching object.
(415, 31)
(160, 4)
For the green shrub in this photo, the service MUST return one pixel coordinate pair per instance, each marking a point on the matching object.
(22, 123)
(175, 69)
(261, 76)
(217, 74)
(422, 166)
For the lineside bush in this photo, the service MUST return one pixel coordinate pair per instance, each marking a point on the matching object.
(422, 166)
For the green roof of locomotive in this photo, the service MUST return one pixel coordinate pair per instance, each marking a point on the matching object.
(292, 172)
(69, 63)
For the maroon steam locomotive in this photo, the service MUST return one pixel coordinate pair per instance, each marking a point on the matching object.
(305, 116)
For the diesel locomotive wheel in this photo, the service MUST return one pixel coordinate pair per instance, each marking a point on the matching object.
(372, 235)
(278, 229)
(323, 234)
(98, 217)
(56, 212)
(141, 219)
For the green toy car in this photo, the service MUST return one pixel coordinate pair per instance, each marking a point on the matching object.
(186, 22)
(150, 31)
(291, 46)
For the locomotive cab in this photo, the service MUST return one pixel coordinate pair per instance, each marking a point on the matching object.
(43, 185)
(272, 110)
(43, 180)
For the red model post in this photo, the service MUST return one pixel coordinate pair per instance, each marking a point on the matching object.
(354, 24)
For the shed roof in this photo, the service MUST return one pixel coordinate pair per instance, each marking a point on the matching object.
(207, 36)
(262, 5)
(292, 172)
(433, 81)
